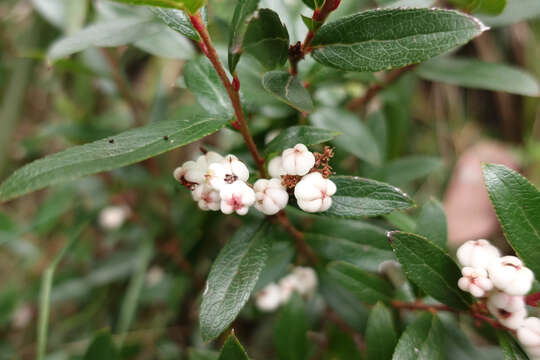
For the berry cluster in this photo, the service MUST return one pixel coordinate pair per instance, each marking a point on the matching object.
(220, 183)
(302, 280)
(504, 281)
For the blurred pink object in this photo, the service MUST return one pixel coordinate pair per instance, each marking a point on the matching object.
(469, 211)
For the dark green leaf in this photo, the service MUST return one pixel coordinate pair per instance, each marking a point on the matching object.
(290, 331)
(357, 198)
(307, 135)
(422, 340)
(510, 349)
(514, 12)
(202, 79)
(429, 267)
(279, 259)
(480, 75)
(177, 20)
(198, 354)
(404, 170)
(232, 278)
(491, 7)
(381, 334)
(517, 204)
(123, 149)
(356, 137)
(239, 23)
(365, 286)
(410, 4)
(267, 39)
(191, 6)
(101, 348)
(233, 350)
(432, 223)
(288, 89)
(385, 39)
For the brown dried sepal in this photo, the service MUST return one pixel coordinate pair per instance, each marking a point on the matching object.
(322, 162)
(290, 181)
(188, 184)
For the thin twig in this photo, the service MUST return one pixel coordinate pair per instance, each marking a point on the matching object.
(300, 241)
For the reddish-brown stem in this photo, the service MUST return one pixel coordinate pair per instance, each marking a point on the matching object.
(300, 241)
(207, 47)
(374, 89)
(533, 299)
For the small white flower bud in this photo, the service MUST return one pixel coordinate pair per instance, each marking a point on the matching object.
(313, 193)
(509, 310)
(270, 196)
(275, 167)
(236, 167)
(194, 171)
(528, 333)
(298, 160)
(510, 275)
(225, 172)
(113, 217)
(269, 298)
(477, 253)
(206, 197)
(475, 281)
(306, 280)
(236, 197)
(287, 285)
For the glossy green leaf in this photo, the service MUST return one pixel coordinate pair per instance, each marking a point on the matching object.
(288, 89)
(232, 350)
(191, 6)
(432, 223)
(422, 340)
(290, 330)
(243, 10)
(102, 347)
(430, 268)
(386, 39)
(267, 39)
(233, 276)
(517, 204)
(478, 74)
(366, 286)
(356, 137)
(406, 169)
(491, 7)
(168, 44)
(357, 198)
(202, 79)
(280, 257)
(514, 12)
(177, 20)
(381, 334)
(307, 135)
(410, 4)
(123, 149)
(510, 349)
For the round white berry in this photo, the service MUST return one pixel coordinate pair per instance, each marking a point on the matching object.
(236, 197)
(269, 298)
(270, 196)
(509, 310)
(477, 253)
(236, 167)
(275, 167)
(529, 332)
(475, 281)
(287, 285)
(511, 276)
(113, 217)
(194, 171)
(306, 280)
(314, 193)
(206, 197)
(297, 160)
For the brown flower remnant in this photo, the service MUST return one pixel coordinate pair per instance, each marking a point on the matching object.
(322, 162)
(290, 181)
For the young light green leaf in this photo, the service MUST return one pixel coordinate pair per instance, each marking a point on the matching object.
(102, 347)
(123, 149)
(177, 20)
(432, 223)
(243, 10)
(423, 339)
(366, 286)
(517, 204)
(204, 82)
(514, 12)
(233, 276)
(491, 7)
(510, 349)
(290, 330)
(267, 39)
(288, 89)
(233, 350)
(381, 334)
(167, 43)
(307, 135)
(385, 39)
(430, 268)
(356, 137)
(406, 169)
(478, 74)
(357, 198)
(191, 6)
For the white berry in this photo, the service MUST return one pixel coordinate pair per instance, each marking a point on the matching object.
(275, 167)
(314, 193)
(509, 310)
(236, 197)
(475, 281)
(206, 197)
(306, 280)
(113, 217)
(236, 167)
(529, 332)
(270, 196)
(287, 286)
(511, 276)
(298, 160)
(477, 253)
(269, 298)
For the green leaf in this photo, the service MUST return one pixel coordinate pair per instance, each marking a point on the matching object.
(177, 20)
(232, 278)
(202, 79)
(510, 349)
(357, 137)
(168, 44)
(267, 39)
(515, 11)
(123, 149)
(478, 74)
(432, 223)
(290, 330)
(381, 334)
(101, 348)
(429, 267)
(191, 6)
(199, 354)
(288, 89)
(406, 169)
(386, 39)
(491, 7)
(357, 197)
(233, 350)
(423, 340)
(410, 4)
(243, 10)
(307, 135)
(365, 286)
(517, 204)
